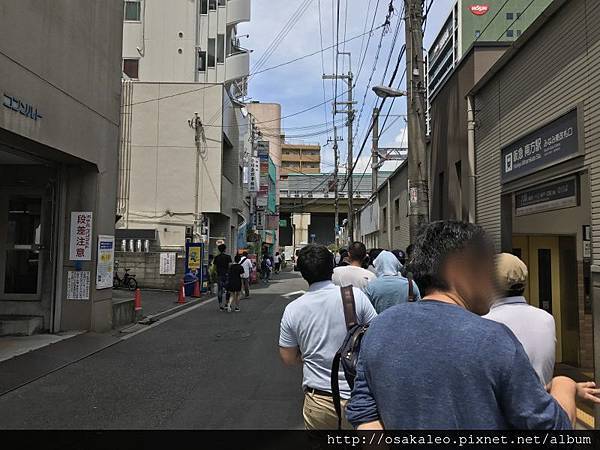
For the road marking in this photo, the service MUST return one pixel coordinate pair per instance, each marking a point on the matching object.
(291, 294)
(171, 317)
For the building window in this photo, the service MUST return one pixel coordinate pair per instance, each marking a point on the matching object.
(220, 48)
(221, 2)
(131, 68)
(458, 166)
(133, 11)
(201, 61)
(211, 52)
(203, 6)
(510, 33)
(509, 16)
(384, 220)
(477, 34)
(212, 5)
(397, 211)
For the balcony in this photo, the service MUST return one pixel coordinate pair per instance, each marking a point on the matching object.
(238, 11)
(237, 65)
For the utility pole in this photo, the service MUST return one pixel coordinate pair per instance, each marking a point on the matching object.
(349, 79)
(375, 152)
(196, 125)
(418, 195)
(336, 158)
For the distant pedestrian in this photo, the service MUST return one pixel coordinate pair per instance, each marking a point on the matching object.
(390, 288)
(277, 263)
(354, 274)
(533, 327)
(342, 259)
(400, 256)
(312, 329)
(234, 284)
(247, 265)
(436, 364)
(222, 262)
(266, 267)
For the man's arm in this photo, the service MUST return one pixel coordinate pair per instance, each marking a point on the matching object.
(377, 425)
(290, 356)
(564, 391)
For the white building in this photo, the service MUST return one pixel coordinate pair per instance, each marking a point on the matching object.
(183, 58)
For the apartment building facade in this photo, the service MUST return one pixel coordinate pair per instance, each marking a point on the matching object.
(470, 22)
(300, 158)
(59, 142)
(183, 142)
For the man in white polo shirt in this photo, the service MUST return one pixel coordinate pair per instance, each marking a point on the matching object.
(313, 328)
(532, 326)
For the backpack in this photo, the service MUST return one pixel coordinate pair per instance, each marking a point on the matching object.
(411, 292)
(347, 355)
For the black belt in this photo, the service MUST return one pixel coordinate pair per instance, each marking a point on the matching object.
(310, 390)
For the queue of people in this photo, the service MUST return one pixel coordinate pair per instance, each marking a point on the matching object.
(233, 276)
(451, 342)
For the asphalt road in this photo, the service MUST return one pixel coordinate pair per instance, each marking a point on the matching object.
(204, 369)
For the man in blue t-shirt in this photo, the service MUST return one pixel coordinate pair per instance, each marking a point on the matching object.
(436, 364)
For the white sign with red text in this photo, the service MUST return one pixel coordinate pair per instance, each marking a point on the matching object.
(80, 248)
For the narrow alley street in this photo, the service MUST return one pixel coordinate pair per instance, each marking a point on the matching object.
(203, 369)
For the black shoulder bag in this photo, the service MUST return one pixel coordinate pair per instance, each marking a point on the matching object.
(347, 354)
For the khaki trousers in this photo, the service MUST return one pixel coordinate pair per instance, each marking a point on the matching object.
(319, 413)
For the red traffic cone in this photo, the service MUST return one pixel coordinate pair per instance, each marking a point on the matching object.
(197, 289)
(137, 300)
(181, 298)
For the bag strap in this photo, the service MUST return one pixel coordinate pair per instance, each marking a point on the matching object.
(349, 306)
(335, 387)
(411, 292)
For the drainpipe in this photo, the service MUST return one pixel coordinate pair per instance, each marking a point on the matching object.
(471, 158)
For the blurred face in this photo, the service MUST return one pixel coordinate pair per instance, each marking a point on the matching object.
(471, 276)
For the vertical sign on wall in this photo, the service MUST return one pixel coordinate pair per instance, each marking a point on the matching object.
(80, 248)
(106, 259)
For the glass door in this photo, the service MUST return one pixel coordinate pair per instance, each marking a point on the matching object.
(20, 245)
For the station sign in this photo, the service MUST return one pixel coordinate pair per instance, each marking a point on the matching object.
(558, 194)
(551, 144)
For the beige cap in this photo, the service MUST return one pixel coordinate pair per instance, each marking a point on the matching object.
(511, 272)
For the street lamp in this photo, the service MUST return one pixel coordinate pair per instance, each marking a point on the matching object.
(381, 92)
(387, 91)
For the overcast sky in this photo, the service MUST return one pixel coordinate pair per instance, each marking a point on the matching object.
(299, 86)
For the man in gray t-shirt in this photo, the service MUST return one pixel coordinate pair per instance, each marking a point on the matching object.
(312, 330)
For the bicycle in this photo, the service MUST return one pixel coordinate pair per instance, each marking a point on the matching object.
(127, 281)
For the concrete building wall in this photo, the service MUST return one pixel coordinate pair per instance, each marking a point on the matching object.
(72, 78)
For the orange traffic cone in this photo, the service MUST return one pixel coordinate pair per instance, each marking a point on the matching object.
(181, 299)
(137, 300)
(197, 289)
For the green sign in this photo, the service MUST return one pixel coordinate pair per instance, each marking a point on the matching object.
(283, 223)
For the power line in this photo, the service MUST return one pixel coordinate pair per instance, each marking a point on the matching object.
(513, 22)
(491, 20)
(313, 53)
(278, 39)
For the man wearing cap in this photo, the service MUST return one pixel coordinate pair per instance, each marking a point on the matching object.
(532, 326)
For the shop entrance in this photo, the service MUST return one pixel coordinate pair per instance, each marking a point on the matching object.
(552, 286)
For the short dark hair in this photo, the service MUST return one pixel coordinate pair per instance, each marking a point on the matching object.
(357, 251)
(245, 253)
(315, 263)
(222, 248)
(374, 253)
(237, 258)
(400, 256)
(439, 240)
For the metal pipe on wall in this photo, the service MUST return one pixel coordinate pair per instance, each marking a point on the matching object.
(471, 158)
